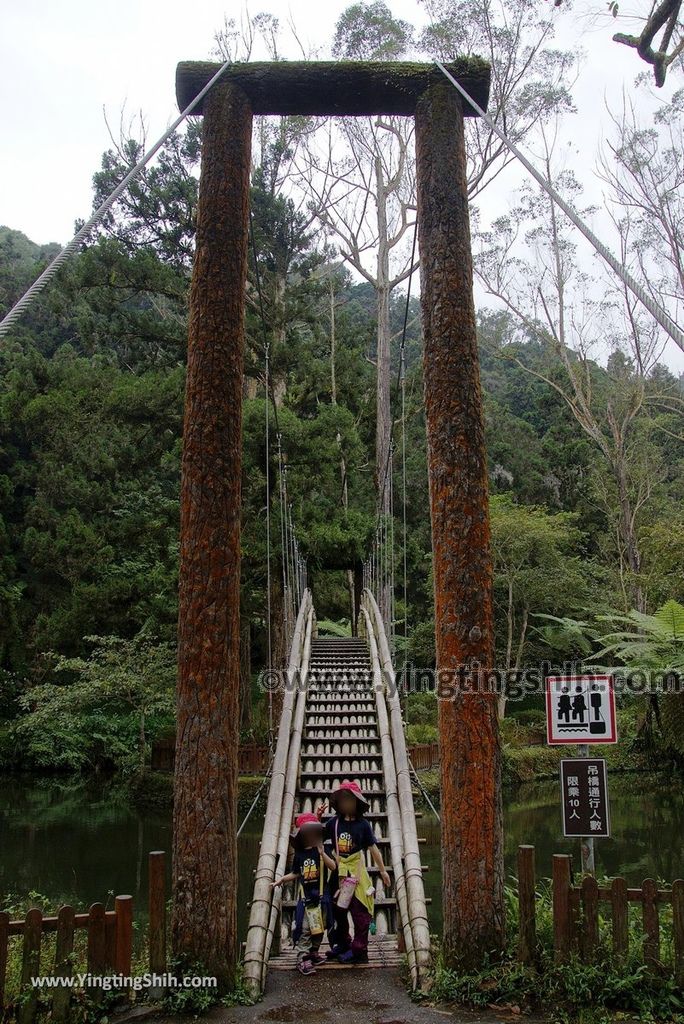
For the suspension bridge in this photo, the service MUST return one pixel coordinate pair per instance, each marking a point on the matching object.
(341, 719)
(341, 715)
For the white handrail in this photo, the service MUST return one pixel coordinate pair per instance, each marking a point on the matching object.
(260, 911)
(394, 825)
(290, 793)
(413, 869)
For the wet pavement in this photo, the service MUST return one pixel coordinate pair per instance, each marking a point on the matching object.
(348, 997)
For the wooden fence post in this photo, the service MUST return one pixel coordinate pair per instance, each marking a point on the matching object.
(63, 967)
(110, 940)
(620, 905)
(30, 965)
(97, 947)
(590, 898)
(157, 917)
(527, 927)
(4, 944)
(649, 896)
(123, 908)
(562, 921)
(677, 927)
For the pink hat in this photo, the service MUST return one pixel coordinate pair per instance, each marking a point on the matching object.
(305, 820)
(350, 787)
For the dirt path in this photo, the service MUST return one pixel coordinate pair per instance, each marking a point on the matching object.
(346, 997)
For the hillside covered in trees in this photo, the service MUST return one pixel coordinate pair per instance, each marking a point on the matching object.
(91, 400)
(583, 419)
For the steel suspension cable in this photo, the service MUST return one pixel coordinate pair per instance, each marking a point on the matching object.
(268, 552)
(294, 567)
(402, 385)
(258, 793)
(402, 357)
(661, 315)
(281, 476)
(391, 556)
(28, 297)
(376, 585)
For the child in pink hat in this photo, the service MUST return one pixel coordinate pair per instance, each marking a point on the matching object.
(350, 835)
(308, 867)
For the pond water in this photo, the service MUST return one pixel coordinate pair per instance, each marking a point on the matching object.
(80, 843)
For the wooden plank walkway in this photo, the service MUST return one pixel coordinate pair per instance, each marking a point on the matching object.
(341, 741)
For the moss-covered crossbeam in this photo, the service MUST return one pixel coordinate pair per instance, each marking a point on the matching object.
(328, 88)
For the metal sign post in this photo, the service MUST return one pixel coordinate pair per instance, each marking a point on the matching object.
(581, 710)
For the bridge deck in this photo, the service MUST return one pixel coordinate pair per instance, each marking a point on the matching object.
(341, 741)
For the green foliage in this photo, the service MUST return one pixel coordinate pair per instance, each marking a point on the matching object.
(421, 734)
(650, 642)
(91, 407)
(101, 711)
(653, 644)
(421, 708)
(636, 643)
(537, 568)
(576, 992)
(192, 1002)
(368, 31)
(328, 628)
(421, 645)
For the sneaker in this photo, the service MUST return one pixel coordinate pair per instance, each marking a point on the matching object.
(346, 957)
(306, 967)
(316, 959)
(333, 953)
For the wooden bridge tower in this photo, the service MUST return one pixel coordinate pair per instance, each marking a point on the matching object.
(205, 851)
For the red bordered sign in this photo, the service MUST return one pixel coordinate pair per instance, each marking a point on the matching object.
(580, 709)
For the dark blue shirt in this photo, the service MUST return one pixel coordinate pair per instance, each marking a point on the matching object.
(352, 836)
(308, 865)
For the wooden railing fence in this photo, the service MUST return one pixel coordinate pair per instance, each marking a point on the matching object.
(576, 915)
(109, 948)
(424, 755)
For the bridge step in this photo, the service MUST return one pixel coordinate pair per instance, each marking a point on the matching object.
(383, 951)
(340, 740)
(361, 773)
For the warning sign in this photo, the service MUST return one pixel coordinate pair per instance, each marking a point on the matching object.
(584, 792)
(580, 709)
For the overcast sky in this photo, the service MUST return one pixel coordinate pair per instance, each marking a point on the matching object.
(63, 63)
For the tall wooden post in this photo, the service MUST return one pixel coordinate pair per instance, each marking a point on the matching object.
(472, 835)
(205, 847)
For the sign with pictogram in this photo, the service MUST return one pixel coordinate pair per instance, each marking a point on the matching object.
(580, 709)
(584, 792)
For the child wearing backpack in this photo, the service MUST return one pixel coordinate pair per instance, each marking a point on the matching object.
(308, 869)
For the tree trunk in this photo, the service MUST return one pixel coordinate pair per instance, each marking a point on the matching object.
(472, 831)
(631, 554)
(205, 808)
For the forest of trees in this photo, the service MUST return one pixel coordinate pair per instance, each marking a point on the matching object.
(583, 417)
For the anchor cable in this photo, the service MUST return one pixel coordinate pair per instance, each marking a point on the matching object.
(661, 316)
(28, 297)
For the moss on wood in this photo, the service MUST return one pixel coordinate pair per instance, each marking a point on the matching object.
(326, 88)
